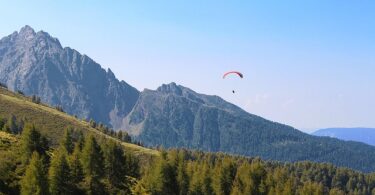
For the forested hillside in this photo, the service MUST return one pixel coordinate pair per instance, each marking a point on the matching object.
(45, 151)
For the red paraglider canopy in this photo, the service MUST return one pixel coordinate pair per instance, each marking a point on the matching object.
(233, 72)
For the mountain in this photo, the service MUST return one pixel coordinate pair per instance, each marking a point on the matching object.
(36, 63)
(365, 135)
(176, 116)
(171, 116)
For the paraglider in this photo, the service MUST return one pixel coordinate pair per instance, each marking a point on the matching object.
(235, 73)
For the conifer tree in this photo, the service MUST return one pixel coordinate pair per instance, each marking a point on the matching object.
(120, 135)
(76, 171)
(34, 181)
(162, 179)
(11, 125)
(243, 184)
(335, 191)
(132, 165)
(32, 140)
(258, 175)
(207, 180)
(80, 139)
(182, 178)
(92, 165)
(67, 140)
(225, 176)
(310, 188)
(2, 123)
(59, 174)
(114, 164)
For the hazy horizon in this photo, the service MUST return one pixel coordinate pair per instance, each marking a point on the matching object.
(309, 65)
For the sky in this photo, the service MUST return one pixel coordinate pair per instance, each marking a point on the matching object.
(309, 64)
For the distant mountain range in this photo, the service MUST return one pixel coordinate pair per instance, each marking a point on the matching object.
(365, 135)
(171, 116)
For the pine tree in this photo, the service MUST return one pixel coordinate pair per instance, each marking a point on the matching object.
(196, 187)
(34, 181)
(80, 139)
(114, 163)
(207, 180)
(67, 141)
(32, 140)
(11, 125)
(92, 164)
(162, 179)
(120, 135)
(258, 176)
(126, 138)
(225, 177)
(59, 174)
(2, 123)
(132, 165)
(92, 123)
(243, 183)
(76, 171)
(310, 188)
(182, 178)
(335, 191)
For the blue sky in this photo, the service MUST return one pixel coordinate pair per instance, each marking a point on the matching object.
(309, 64)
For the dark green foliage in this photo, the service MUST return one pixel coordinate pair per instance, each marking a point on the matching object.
(9, 159)
(182, 178)
(67, 141)
(222, 174)
(35, 99)
(126, 138)
(92, 164)
(115, 168)
(132, 165)
(34, 181)
(11, 125)
(162, 178)
(59, 175)
(92, 123)
(32, 141)
(119, 135)
(2, 123)
(59, 108)
(76, 171)
(92, 158)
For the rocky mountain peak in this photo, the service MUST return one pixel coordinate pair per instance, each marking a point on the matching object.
(36, 63)
(171, 88)
(27, 31)
(110, 74)
(27, 38)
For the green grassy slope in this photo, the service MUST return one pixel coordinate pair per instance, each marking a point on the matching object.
(52, 122)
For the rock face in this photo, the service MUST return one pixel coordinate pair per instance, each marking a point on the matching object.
(36, 63)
